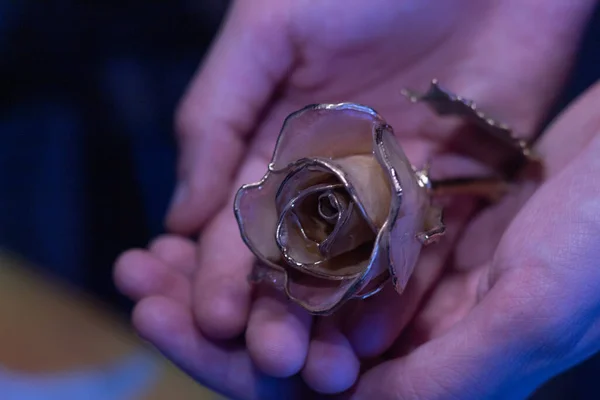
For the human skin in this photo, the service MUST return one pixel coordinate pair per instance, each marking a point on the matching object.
(272, 58)
(495, 329)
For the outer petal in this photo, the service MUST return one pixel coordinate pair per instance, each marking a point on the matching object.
(322, 297)
(326, 131)
(410, 202)
(378, 274)
(256, 214)
(274, 276)
(319, 296)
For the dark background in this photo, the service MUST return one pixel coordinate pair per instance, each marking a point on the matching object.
(87, 155)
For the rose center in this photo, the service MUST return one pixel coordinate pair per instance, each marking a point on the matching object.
(329, 207)
(321, 211)
(321, 229)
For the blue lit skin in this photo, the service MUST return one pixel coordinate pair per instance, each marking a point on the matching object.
(274, 57)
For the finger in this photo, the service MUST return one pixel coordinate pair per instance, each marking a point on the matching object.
(331, 366)
(250, 56)
(453, 298)
(227, 369)
(563, 141)
(377, 322)
(535, 321)
(495, 352)
(221, 289)
(178, 252)
(553, 242)
(570, 132)
(139, 274)
(278, 334)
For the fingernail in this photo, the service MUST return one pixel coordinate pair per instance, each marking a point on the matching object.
(180, 195)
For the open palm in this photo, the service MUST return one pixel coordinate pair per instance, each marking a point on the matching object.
(517, 303)
(274, 57)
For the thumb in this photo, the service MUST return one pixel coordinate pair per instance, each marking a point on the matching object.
(501, 350)
(250, 56)
(540, 316)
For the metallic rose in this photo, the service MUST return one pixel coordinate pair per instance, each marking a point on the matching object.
(340, 211)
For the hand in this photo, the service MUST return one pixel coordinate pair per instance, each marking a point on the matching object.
(528, 309)
(269, 62)
(497, 324)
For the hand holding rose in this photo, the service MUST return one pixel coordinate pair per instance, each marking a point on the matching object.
(467, 312)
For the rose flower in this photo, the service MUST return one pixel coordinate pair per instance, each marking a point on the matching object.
(340, 211)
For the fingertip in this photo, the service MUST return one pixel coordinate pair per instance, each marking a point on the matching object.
(207, 163)
(184, 217)
(377, 323)
(278, 335)
(331, 366)
(139, 274)
(223, 313)
(179, 207)
(174, 250)
(170, 327)
(191, 207)
(155, 318)
(205, 193)
(370, 329)
(128, 273)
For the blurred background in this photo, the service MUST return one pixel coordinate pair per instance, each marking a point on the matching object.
(87, 167)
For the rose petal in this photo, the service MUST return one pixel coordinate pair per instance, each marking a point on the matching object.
(316, 295)
(312, 239)
(263, 273)
(302, 234)
(349, 234)
(302, 176)
(257, 216)
(293, 243)
(369, 181)
(297, 235)
(303, 186)
(319, 296)
(325, 131)
(378, 270)
(373, 286)
(303, 255)
(408, 206)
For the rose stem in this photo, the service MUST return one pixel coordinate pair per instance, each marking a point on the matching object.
(490, 188)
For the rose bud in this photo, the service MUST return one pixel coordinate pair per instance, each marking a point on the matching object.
(340, 210)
